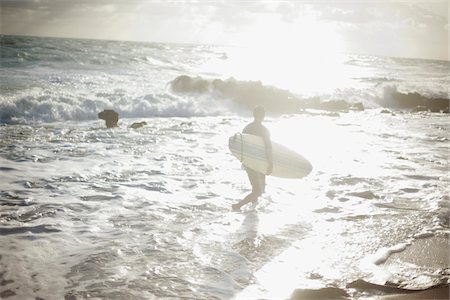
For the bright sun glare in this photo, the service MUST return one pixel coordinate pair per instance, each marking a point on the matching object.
(304, 56)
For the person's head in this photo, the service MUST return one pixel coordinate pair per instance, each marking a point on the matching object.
(259, 113)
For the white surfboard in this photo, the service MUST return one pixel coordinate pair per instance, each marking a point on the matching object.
(250, 150)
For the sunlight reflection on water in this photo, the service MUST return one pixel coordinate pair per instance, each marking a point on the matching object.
(152, 208)
(308, 74)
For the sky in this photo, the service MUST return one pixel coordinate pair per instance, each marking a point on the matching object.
(390, 28)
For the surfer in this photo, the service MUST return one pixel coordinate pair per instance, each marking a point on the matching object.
(257, 180)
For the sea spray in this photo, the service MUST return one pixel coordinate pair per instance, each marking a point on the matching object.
(52, 79)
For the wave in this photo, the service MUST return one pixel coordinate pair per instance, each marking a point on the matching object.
(57, 79)
(196, 96)
(37, 109)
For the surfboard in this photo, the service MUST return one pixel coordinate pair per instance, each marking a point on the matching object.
(250, 150)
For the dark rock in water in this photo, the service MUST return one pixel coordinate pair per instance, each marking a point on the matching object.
(110, 116)
(385, 111)
(418, 102)
(324, 293)
(252, 93)
(187, 84)
(246, 93)
(138, 125)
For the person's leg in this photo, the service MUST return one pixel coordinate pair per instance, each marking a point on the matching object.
(262, 181)
(257, 189)
(249, 198)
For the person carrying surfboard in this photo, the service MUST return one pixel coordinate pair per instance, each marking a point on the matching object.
(257, 179)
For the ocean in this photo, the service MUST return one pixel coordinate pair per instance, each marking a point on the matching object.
(120, 213)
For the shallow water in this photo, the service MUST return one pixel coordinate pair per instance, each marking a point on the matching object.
(145, 214)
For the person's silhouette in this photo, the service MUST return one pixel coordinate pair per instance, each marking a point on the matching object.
(257, 179)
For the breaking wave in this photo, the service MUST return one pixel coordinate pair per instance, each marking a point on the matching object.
(196, 96)
(31, 109)
(53, 79)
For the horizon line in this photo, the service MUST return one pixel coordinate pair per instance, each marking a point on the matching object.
(206, 44)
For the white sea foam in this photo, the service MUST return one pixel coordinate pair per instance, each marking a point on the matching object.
(47, 80)
(116, 204)
(124, 213)
(384, 253)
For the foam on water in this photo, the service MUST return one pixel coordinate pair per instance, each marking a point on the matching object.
(145, 213)
(48, 80)
(121, 213)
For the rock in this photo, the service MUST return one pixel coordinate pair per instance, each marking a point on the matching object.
(417, 101)
(110, 116)
(187, 84)
(385, 111)
(138, 125)
(245, 93)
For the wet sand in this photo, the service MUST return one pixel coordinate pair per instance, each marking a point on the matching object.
(434, 293)
(430, 253)
(433, 253)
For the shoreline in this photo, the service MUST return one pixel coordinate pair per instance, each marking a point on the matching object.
(430, 254)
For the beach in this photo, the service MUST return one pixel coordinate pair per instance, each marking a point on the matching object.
(145, 212)
(429, 253)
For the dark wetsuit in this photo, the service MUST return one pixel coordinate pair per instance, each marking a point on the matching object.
(257, 180)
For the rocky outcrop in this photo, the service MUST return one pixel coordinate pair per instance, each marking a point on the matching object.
(248, 94)
(416, 102)
(110, 116)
